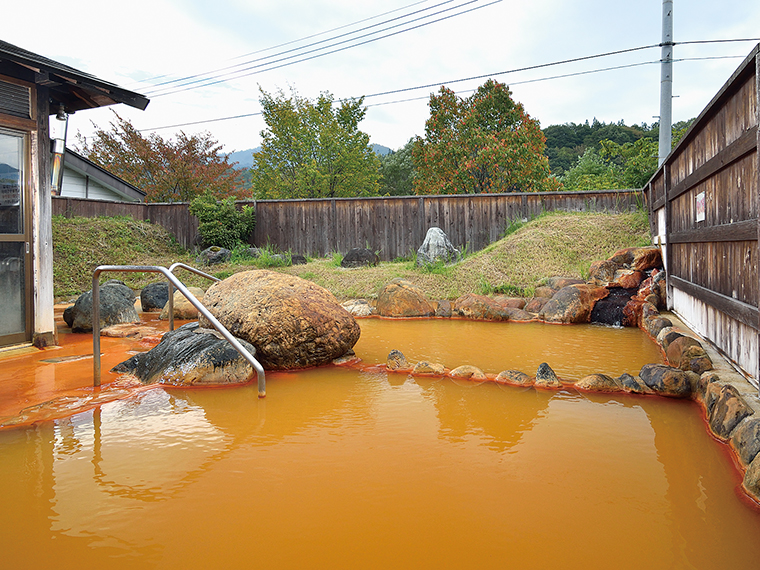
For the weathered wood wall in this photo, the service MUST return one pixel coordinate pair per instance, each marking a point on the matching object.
(396, 226)
(703, 204)
(393, 226)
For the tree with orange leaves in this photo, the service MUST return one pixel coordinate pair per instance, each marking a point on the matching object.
(485, 143)
(166, 170)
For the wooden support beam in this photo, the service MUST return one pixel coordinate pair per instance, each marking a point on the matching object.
(746, 230)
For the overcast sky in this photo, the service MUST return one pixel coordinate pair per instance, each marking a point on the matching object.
(132, 43)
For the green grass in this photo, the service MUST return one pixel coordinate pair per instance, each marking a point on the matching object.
(562, 244)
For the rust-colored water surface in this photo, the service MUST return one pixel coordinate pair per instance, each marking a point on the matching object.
(340, 468)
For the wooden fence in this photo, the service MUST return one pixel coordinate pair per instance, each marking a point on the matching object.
(396, 226)
(393, 226)
(703, 204)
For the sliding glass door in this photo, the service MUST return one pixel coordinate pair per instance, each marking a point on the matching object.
(15, 284)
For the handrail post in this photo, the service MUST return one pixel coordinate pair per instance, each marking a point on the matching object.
(188, 295)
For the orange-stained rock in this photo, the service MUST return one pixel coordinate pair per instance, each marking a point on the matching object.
(400, 298)
(536, 304)
(545, 292)
(293, 323)
(510, 302)
(728, 411)
(572, 304)
(560, 282)
(645, 258)
(468, 372)
(598, 383)
(603, 272)
(480, 307)
(627, 278)
(515, 378)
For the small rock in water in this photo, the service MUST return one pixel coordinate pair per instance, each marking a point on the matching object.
(546, 378)
(396, 360)
(468, 372)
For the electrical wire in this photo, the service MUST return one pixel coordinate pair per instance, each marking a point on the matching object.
(253, 70)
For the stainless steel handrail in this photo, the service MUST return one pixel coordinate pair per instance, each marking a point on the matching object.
(179, 265)
(190, 297)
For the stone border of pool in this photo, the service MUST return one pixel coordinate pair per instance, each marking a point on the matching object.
(729, 401)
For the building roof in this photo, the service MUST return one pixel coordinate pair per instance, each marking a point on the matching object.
(76, 89)
(86, 167)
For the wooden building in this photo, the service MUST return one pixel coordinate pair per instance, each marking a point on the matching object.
(703, 208)
(32, 88)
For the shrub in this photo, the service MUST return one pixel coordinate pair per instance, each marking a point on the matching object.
(221, 223)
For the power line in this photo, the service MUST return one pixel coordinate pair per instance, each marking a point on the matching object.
(237, 65)
(253, 70)
(407, 89)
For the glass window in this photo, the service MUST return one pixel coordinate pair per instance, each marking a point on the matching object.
(11, 183)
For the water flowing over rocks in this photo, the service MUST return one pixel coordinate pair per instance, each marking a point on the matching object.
(191, 356)
(293, 323)
(437, 247)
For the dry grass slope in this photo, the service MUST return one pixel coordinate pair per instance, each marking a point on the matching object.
(554, 244)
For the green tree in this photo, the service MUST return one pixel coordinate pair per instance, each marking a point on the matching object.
(221, 222)
(312, 149)
(397, 171)
(483, 143)
(166, 170)
(592, 172)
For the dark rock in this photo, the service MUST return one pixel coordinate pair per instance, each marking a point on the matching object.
(293, 323)
(609, 311)
(633, 384)
(400, 298)
(359, 257)
(515, 378)
(68, 315)
(746, 440)
(396, 361)
(191, 356)
(437, 247)
(665, 380)
(729, 409)
(154, 296)
(572, 304)
(213, 255)
(668, 338)
(116, 307)
(546, 378)
(704, 382)
(297, 260)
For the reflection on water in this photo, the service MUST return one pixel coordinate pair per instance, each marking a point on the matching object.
(339, 468)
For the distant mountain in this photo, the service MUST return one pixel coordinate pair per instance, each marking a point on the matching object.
(244, 158)
(380, 150)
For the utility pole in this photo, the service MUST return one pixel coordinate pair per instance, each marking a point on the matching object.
(666, 81)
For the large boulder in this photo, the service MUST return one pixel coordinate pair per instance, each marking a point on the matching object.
(572, 304)
(437, 247)
(154, 296)
(191, 356)
(400, 298)
(293, 323)
(359, 257)
(117, 306)
(480, 307)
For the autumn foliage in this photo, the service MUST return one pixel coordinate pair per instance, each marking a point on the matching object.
(485, 143)
(166, 170)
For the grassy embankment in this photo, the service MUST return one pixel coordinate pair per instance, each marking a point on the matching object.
(553, 244)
